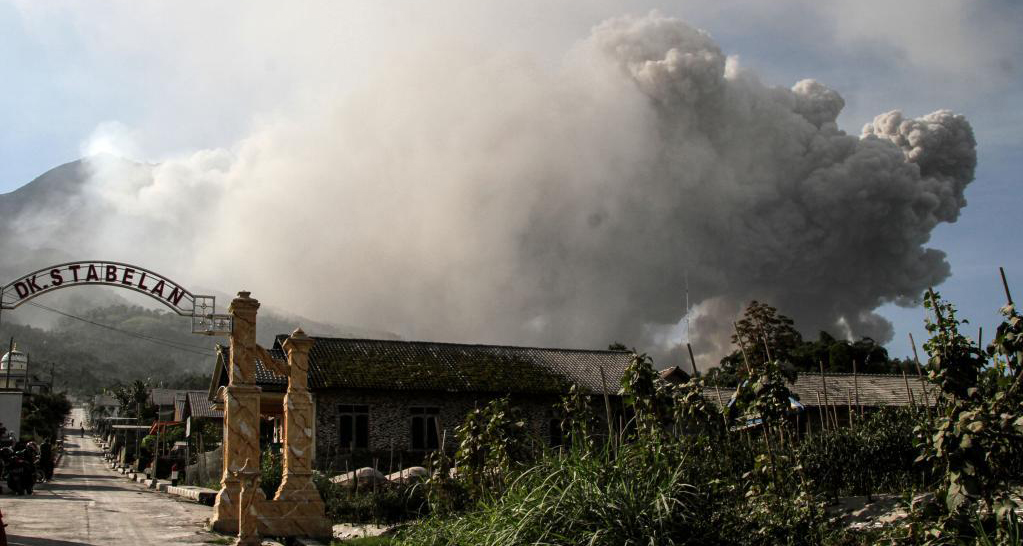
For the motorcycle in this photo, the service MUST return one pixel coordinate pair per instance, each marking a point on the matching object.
(21, 474)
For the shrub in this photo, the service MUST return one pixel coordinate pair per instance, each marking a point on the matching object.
(271, 469)
(384, 504)
(877, 456)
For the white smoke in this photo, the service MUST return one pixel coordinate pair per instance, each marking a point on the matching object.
(504, 198)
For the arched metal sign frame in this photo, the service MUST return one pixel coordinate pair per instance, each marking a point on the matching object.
(201, 308)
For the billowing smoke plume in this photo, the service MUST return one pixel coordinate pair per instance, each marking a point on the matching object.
(463, 197)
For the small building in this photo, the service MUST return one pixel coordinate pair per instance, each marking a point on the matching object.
(674, 374)
(10, 415)
(844, 396)
(389, 399)
(104, 405)
(847, 395)
(15, 368)
(170, 403)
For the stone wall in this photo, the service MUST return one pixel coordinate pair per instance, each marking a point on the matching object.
(390, 423)
(208, 468)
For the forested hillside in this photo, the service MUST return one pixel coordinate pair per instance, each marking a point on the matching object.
(86, 357)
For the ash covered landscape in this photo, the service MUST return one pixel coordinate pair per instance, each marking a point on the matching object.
(583, 273)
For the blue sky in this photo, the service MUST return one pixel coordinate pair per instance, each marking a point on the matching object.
(179, 77)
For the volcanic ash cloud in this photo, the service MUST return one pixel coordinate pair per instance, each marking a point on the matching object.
(490, 198)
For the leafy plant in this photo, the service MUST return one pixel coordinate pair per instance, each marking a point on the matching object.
(976, 440)
(490, 440)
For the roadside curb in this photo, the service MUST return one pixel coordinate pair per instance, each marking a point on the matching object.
(200, 495)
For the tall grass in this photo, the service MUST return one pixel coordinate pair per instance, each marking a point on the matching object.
(635, 494)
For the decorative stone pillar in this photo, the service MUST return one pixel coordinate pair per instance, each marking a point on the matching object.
(241, 414)
(302, 512)
(248, 505)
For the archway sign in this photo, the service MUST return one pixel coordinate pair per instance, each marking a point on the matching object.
(201, 309)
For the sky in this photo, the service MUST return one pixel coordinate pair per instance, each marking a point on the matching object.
(163, 80)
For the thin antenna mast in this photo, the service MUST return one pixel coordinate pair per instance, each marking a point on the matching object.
(687, 306)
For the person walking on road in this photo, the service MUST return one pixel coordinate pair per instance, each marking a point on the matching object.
(46, 459)
(83, 432)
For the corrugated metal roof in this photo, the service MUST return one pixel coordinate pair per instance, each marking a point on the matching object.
(451, 367)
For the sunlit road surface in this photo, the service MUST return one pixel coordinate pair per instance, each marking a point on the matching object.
(87, 503)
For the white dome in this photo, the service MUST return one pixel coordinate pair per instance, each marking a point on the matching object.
(20, 361)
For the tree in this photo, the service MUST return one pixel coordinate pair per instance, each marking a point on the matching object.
(761, 329)
(42, 414)
(134, 399)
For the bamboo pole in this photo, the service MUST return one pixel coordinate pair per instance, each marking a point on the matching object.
(912, 400)
(824, 385)
(920, 373)
(856, 389)
(692, 360)
(742, 348)
(767, 436)
(1005, 285)
(607, 406)
(939, 320)
(849, 408)
(820, 411)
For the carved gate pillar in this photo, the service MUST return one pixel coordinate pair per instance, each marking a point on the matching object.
(241, 414)
(301, 510)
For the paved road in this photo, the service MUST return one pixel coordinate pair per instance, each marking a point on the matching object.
(87, 503)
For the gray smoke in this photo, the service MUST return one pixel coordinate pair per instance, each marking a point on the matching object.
(495, 199)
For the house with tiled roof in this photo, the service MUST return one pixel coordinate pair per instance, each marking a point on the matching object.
(170, 403)
(396, 399)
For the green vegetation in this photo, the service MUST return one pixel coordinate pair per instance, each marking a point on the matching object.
(762, 323)
(364, 541)
(681, 472)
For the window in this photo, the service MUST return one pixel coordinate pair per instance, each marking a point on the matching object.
(353, 426)
(425, 428)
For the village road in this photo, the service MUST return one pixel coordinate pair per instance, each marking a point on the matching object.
(87, 503)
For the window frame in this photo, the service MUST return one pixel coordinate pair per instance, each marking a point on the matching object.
(424, 414)
(353, 412)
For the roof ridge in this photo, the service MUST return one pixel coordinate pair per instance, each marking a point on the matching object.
(479, 345)
(850, 374)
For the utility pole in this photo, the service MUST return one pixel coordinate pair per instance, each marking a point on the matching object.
(138, 423)
(10, 360)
